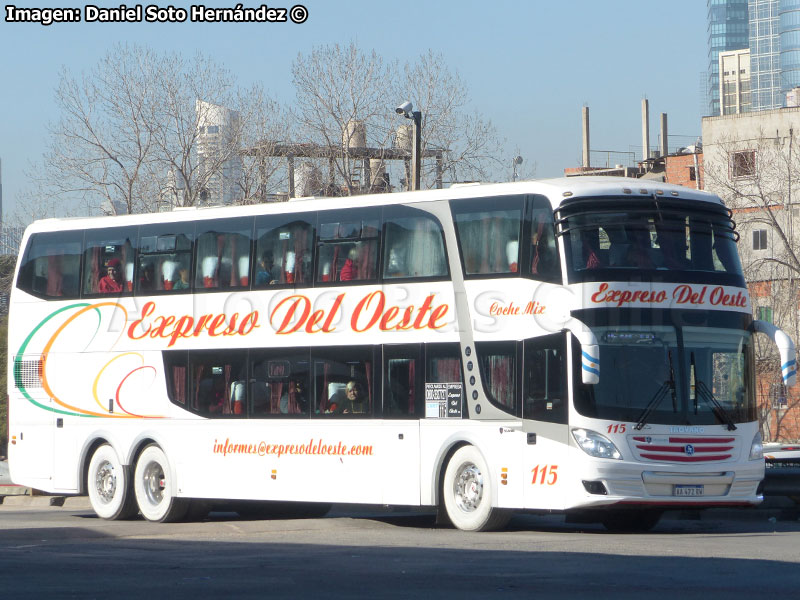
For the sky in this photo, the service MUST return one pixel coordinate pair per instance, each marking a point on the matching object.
(530, 66)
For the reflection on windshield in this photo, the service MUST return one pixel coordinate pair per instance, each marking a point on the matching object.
(636, 364)
(648, 236)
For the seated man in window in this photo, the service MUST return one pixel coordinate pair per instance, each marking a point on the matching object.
(350, 270)
(352, 402)
(111, 282)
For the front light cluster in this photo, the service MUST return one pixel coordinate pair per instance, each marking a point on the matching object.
(757, 448)
(595, 444)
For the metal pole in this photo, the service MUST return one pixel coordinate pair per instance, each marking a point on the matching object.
(416, 149)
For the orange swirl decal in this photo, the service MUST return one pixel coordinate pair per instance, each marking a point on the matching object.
(121, 383)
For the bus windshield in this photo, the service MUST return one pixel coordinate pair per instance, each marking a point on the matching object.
(676, 373)
(658, 240)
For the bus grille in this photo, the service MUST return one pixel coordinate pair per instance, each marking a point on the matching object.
(682, 449)
(28, 373)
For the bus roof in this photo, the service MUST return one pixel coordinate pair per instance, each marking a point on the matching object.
(557, 190)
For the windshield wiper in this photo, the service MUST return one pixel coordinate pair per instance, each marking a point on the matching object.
(701, 390)
(668, 385)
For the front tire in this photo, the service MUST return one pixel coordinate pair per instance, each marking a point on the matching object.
(155, 488)
(467, 493)
(109, 487)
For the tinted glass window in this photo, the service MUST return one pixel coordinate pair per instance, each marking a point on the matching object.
(545, 264)
(109, 261)
(165, 258)
(402, 375)
(223, 254)
(488, 234)
(279, 383)
(348, 245)
(545, 378)
(217, 383)
(284, 251)
(51, 265)
(499, 372)
(413, 246)
(343, 381)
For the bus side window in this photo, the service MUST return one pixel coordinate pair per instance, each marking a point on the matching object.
(348, 245)
(403, 396)
(344, 381)
(488, 234)
(217, 383)
(545, 380)
(165, 258)
(223, 254)
(545, 264)
(51, 265)
(443, 365)
(284, 250)
(108, 260)
(279, 383)
(413, 245)
(498, 361)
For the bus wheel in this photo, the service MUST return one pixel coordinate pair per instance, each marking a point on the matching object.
(631, 521)
(467, 493)
(109, 487)
(155, 490)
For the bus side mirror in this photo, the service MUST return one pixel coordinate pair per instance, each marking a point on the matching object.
(785, 349)
(590, 351)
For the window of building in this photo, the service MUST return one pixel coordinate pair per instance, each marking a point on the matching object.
(108, 259)
(764, 313)
(165, 258)
(413, 246)
(284, 250)
(223, 254)
(743, 164)
(51, 265)
(760, 239)
(778, 396)
(348, 245)
(489, 231)
(692, 174)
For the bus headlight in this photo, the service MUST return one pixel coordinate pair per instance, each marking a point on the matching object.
(757, 448)
(595, 444)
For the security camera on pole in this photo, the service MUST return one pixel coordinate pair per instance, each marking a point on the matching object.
(407, 110)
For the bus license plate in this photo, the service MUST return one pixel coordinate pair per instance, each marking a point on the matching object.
(688, 490)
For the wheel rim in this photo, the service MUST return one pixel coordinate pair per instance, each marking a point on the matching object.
(468, 488)
(154, 483)
(105, 481)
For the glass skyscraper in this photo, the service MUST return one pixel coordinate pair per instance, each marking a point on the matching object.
(789, 28)
(727, 30)
(765, 55)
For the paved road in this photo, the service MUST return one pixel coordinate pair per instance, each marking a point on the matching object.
(68, 553)
(4, 478)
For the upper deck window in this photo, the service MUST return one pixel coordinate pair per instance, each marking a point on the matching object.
(223, 254)
(165, 258)
(51, 266)
(348, 243)
(648, 239)
(489, 230)
(108, 261)
(414, 244)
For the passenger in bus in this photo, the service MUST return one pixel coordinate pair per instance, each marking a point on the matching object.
(349, 269)
(293, 398)
(216, 403)
(351, 402)
(147, 279)
(264, 269)
(183, 279)
(111, 283)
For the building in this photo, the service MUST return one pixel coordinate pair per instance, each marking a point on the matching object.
(727, 30)
(734, 81)
(765, 55)
(752, 161)
(219, 162)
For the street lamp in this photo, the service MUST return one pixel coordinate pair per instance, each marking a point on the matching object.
(407, 110)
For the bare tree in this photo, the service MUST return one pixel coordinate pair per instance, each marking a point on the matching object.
(143, 129)
(346, 98)
(755, 178)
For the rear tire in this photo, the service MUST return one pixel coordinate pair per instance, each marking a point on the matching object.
(467, 493)
(155, 488)
(109, 487)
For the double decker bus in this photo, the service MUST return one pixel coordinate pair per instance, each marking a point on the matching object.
(578, 345)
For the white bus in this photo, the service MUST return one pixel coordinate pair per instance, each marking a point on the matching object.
(577, 345)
